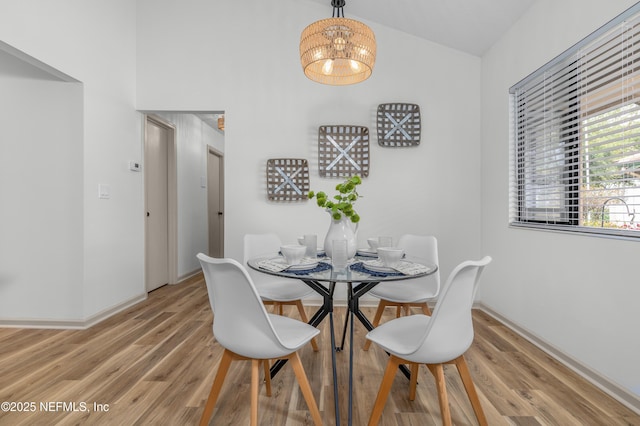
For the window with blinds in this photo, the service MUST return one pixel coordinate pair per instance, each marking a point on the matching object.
(576, 136)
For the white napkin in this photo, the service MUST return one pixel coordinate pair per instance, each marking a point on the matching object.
(410, 268)
(376, 263)
(273, 265)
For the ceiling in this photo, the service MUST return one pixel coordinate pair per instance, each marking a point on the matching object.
(471, 26)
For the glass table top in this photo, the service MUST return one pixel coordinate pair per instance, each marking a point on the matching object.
(360, 269)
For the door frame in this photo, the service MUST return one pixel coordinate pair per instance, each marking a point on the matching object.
(172, 199)
(212, 151)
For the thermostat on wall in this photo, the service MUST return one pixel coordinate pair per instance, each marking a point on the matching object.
(134, 166)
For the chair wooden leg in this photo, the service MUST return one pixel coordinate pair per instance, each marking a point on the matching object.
(305, 387)
(223, 367)
(382, 305)
(425, 309)
(278, 308)
(267, 376)
(398, 311)
(255, 377)
(376, 320)
(303, 316)
(367, 344)
(438, 372)
(385, 387)
(406, 307)
(413, 383)
(465, 375)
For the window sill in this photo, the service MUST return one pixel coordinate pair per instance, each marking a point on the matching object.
(580, 230)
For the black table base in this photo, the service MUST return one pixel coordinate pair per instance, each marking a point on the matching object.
(353, 303)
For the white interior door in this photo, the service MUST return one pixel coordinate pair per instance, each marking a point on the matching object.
(156, 200)
(215, 197)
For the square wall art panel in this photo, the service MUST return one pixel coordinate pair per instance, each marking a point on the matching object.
(287, 179)
(343, 150)
(398, 125)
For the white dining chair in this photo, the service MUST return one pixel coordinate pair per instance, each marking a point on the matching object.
(435, 340)
(246, 331)
(273, 290)
(403, 295)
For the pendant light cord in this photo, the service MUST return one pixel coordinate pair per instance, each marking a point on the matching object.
(338, 6)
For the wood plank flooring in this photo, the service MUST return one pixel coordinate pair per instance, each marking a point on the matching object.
(154, 363)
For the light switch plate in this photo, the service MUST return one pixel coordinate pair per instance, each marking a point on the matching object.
(104, 191)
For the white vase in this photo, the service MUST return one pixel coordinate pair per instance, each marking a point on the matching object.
(341, 230)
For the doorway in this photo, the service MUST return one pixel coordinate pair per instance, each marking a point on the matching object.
(215, 202)
(160, 203)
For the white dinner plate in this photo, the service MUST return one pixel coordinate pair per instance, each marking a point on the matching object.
(377, 266)
(303, 265)
(367, 252)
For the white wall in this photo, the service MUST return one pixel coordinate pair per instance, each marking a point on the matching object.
(577, 293)
(40, 192)
(93, 42)
(242, 57)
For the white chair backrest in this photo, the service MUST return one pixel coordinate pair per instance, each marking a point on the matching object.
(425, 249)
(258, 245)
(450, 331)
(241, 323)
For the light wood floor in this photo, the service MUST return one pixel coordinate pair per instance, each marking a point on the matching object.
(154, 364)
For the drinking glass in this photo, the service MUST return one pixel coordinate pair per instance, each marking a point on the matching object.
(339, 257)
(311, 242)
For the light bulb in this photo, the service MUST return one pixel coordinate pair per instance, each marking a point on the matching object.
(355, 65)
(339, 43)
(327, 68)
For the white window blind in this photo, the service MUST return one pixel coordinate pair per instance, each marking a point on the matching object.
(576, 139)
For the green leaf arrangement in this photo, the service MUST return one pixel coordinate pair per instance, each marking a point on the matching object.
(342, 203)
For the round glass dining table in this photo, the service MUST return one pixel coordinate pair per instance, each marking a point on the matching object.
(360, 276)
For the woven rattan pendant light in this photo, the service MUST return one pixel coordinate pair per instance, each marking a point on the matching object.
(337, 51)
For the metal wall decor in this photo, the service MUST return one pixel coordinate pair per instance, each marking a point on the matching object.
(287, 179)
(343, 150)
(398, 125)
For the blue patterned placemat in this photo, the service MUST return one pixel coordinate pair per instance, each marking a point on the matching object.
(359, 267)
(322, 266)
